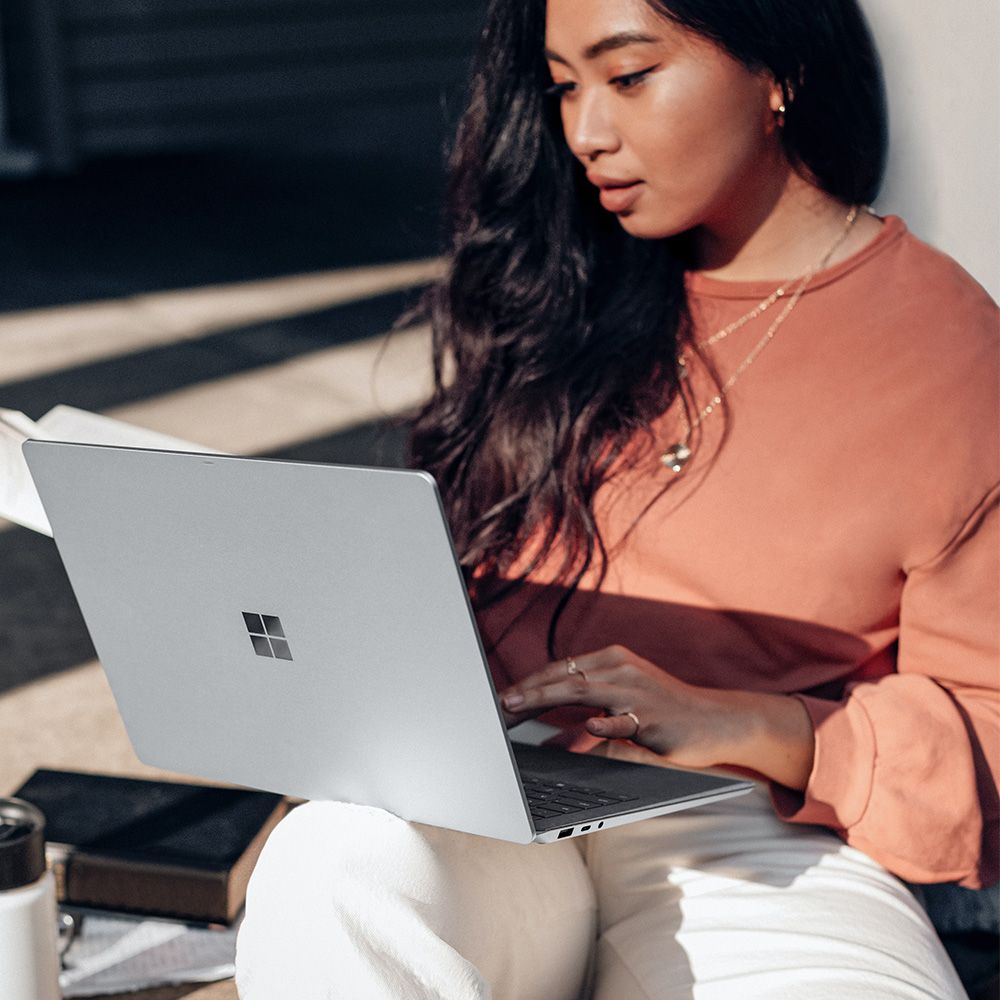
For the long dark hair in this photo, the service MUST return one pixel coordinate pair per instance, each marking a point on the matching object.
(555, 333)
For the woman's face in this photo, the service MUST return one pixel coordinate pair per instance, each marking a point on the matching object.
(674, 132)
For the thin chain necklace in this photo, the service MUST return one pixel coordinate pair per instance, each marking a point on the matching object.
(677, 455)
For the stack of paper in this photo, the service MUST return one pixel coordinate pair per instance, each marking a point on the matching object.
(118, 954)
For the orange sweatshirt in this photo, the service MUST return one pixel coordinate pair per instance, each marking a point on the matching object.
(841, 543)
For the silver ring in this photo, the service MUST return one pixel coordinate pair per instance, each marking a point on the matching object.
(572, 668)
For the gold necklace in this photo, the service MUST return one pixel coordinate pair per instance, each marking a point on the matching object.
(761, 307)
(678, 455)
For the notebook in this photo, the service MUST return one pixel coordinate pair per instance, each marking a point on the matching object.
(304, 628)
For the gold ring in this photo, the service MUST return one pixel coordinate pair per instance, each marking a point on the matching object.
(634, 718)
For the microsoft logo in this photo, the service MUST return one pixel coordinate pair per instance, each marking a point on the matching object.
(267, 635)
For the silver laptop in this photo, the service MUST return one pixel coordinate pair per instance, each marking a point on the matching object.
(305, 629)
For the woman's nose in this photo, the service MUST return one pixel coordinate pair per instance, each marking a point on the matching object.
(588, 128)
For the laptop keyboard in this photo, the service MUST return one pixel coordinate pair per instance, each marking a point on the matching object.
(547, 799)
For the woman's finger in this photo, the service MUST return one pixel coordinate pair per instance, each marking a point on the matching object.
(582, 668)
(572, 690)
(613, 727)
(586, 664)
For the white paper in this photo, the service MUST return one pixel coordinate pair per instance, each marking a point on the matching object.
(19, 500)
(119, 954)
(67, 423)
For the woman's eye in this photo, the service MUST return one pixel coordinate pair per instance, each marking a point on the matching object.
(558, 90)
(628, 80)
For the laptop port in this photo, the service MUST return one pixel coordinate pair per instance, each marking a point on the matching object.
(565, 833)
(584, 829)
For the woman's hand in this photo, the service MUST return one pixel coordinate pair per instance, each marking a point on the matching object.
(688, 726)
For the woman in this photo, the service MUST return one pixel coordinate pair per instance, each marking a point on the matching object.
(720, 458)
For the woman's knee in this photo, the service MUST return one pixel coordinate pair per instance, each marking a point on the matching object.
(407, 910)
(334, 885)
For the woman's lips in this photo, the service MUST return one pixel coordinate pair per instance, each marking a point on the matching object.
(620, 198)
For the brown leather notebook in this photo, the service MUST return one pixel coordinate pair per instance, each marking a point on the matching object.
(160, 848)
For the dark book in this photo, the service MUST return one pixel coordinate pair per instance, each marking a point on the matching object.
(160, 848)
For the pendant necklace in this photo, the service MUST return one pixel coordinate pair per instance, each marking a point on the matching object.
(678, 455)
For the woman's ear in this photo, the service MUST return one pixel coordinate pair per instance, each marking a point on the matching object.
(778, 101)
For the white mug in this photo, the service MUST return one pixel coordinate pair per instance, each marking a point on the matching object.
(29, 957)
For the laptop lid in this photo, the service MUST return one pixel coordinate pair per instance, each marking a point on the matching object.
(301, 628)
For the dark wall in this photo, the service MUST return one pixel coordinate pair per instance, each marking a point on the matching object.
(86, 78)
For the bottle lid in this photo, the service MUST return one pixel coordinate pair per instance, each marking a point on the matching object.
(22, 844)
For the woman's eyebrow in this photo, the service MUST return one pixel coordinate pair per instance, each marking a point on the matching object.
(609, 44)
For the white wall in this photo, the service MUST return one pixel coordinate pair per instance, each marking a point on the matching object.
(942, 68)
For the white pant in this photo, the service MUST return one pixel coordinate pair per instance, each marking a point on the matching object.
(722, 901)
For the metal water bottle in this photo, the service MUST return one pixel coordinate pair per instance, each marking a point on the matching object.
(29, 957)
